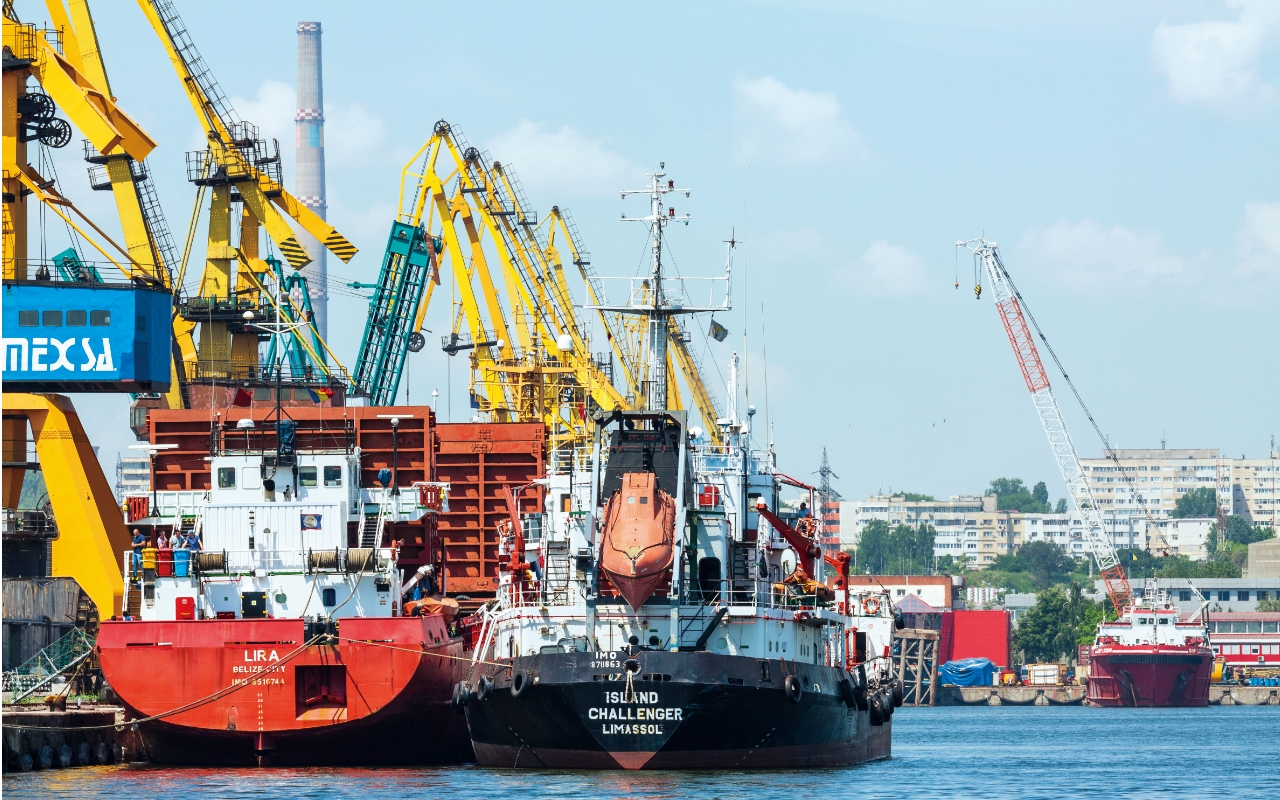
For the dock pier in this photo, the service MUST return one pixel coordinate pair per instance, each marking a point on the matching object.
(40, 739)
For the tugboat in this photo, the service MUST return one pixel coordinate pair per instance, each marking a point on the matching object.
(262, 637)
(661, 613)
(1151, 657)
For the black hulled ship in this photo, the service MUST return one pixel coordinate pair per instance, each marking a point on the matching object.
(662, 613)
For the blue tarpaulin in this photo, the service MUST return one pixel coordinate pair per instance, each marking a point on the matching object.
(967, 672)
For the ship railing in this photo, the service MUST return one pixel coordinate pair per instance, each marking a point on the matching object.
(566, 460)
(744, 593)
(264, 561)
(710, 458)
(165, 504)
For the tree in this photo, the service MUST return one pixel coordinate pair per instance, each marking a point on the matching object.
(1269, 605)
(1239, 530)
(1057, 623)
(1202, 502)
(1045, 562)
(914, 497)
(873, 546)
(1012, 495)
(904, 550)
(1062, 506)
(1048, 562)
(1180, 566)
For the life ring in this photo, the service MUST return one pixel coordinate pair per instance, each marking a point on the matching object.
(520, 683)
(792, 688)
(871, 606)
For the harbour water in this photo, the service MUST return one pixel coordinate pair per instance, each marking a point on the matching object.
(985, 752)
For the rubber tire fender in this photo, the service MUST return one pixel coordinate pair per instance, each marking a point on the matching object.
(877, 710)
(521, 680)
(886, 700)
(792, 687)
(859, 680)
(848, 693)
(897, 693)
(461, 696)
(484, 688)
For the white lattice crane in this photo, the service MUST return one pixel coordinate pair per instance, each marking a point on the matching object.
(1009, 306)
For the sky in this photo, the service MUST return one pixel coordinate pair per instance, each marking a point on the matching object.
(1122, 155)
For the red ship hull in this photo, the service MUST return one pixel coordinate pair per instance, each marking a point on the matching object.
(254, 692)
(1149, 677)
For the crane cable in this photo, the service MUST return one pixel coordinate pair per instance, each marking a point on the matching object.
(1111, 453)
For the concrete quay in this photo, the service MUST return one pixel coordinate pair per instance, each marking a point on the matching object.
(1219, 695)
(1010, 695)
(34, 738)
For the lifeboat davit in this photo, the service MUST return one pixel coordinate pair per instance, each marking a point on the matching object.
(639, 537)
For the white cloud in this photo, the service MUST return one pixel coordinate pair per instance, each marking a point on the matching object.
(793, 126)
(892, 269)
(1217, 63)
(272, 110)
(1259, 242)
(563, 161)
(353, 136)
(1087, 254)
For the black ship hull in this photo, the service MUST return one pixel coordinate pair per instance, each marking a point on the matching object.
(677, 711)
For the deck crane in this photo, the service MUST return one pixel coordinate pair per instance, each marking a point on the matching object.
(529, 357)
(1010, 307)
(238, 167)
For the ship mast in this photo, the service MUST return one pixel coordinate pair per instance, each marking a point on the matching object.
(657, 298)
(659, 306)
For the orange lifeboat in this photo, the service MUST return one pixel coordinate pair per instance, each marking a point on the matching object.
(639, 537)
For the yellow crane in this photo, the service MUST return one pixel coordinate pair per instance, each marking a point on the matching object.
(64, 62)
(238, 167)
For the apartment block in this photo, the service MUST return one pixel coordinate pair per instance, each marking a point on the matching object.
(970, 527)
(1149, 482)
(133, 476)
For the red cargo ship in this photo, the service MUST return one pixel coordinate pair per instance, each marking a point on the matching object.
(1151, 657)
(255, 691)
(279, 629)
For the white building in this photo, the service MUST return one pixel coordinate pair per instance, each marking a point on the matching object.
(133, 476)
(1150, 482)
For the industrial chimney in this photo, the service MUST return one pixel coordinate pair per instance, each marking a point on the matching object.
(309, 165)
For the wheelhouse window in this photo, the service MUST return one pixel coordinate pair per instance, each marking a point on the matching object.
(51, 319)
(77, 318)
(333, 476)
(307, 476)
(29, 319)
(226, 477)
(100, 319)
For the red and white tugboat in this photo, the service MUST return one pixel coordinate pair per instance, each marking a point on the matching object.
(1151, 657)
(1148, 657)
(276, 642)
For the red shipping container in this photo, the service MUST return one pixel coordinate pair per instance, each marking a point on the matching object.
(976, 634)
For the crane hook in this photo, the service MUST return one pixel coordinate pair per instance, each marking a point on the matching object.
(977, 291)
